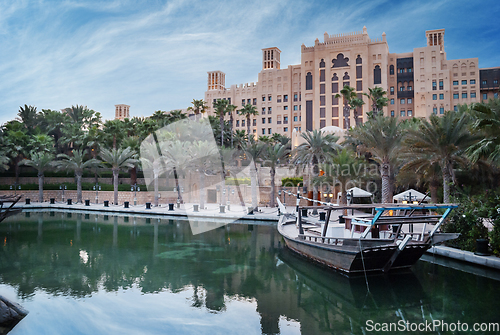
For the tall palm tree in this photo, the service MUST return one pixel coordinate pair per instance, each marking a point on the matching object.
(248, 111)
(487, 122)
(240, 138)
(160, 118)
(118, 159)
(381, 137)
(198, 107)
(114, 129)
(253, 150)
(315, 149)
(41, 142)
(220, 107)
(77, 163)
(41, 161)
(341, 169)
(134, 142)
(351, 101)
(78, 114)
(73, 136)
(4, 158)
(443, 140)
(15, 142)
(151, 161)
(230, 110)
(203, 157)
(273, 155)
(29, 117)
(52, 122)
(176, 115)
(378, 100)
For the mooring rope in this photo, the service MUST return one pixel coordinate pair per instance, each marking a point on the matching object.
(308, 199)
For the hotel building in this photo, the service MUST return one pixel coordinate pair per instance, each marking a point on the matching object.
(302, 97)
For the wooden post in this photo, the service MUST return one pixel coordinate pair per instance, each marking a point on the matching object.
(327, 220)
(299, 219)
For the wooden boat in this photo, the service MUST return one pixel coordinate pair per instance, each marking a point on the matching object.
(393, 237)
(7, 211)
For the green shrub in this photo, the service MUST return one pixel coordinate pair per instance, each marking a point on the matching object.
(232, 181)
(292, 181)
(468, 220)
(495, 236)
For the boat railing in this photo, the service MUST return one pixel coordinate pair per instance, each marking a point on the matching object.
(320, 239)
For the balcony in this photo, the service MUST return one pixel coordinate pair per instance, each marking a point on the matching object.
(405, 94)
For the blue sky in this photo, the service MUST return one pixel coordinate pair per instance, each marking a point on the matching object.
(155, 55)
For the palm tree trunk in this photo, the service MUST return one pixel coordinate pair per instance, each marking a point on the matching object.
(202, 189)
(156, 188)
(434, 188)
(176, 177)
(115, 185)
(17, 168)
(248, 128)
(78, 187)
(133, 175)
(40, 187)
(221, 120)
(386, 184)
(253, 183)
(231, 127)
(446, 185)
(273, 173)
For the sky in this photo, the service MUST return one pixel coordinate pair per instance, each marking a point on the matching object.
(154, 55)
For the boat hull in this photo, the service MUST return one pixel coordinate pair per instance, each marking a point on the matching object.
(351, 260)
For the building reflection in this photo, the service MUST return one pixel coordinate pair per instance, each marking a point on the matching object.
(80, 256)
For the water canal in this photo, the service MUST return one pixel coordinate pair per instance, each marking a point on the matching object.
(96, 274)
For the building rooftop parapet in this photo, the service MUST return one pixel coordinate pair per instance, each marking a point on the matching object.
(246, 85)
(344, 40)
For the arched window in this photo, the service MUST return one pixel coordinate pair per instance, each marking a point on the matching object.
(377, 75)
(391, 69)
(322, 63)
(340, 61)
(335, 78)
(309, 81)
(359, 60)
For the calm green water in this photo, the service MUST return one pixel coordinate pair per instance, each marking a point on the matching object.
(106, 275)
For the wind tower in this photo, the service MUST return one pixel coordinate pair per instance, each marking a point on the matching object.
(122, 111)
(435, 37)
(271, 58)
(216, 80)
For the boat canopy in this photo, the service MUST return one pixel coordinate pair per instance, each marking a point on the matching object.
(405, 196)
(357, 193)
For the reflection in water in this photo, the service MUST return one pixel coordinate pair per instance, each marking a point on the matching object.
(221, 275)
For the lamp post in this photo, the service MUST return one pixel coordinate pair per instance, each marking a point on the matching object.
(96, 188)
(63, 187)
(224, 194)
(15, 187)
(349, 199)
(135, 188)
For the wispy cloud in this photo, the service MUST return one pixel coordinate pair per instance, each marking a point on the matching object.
(155, 55)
